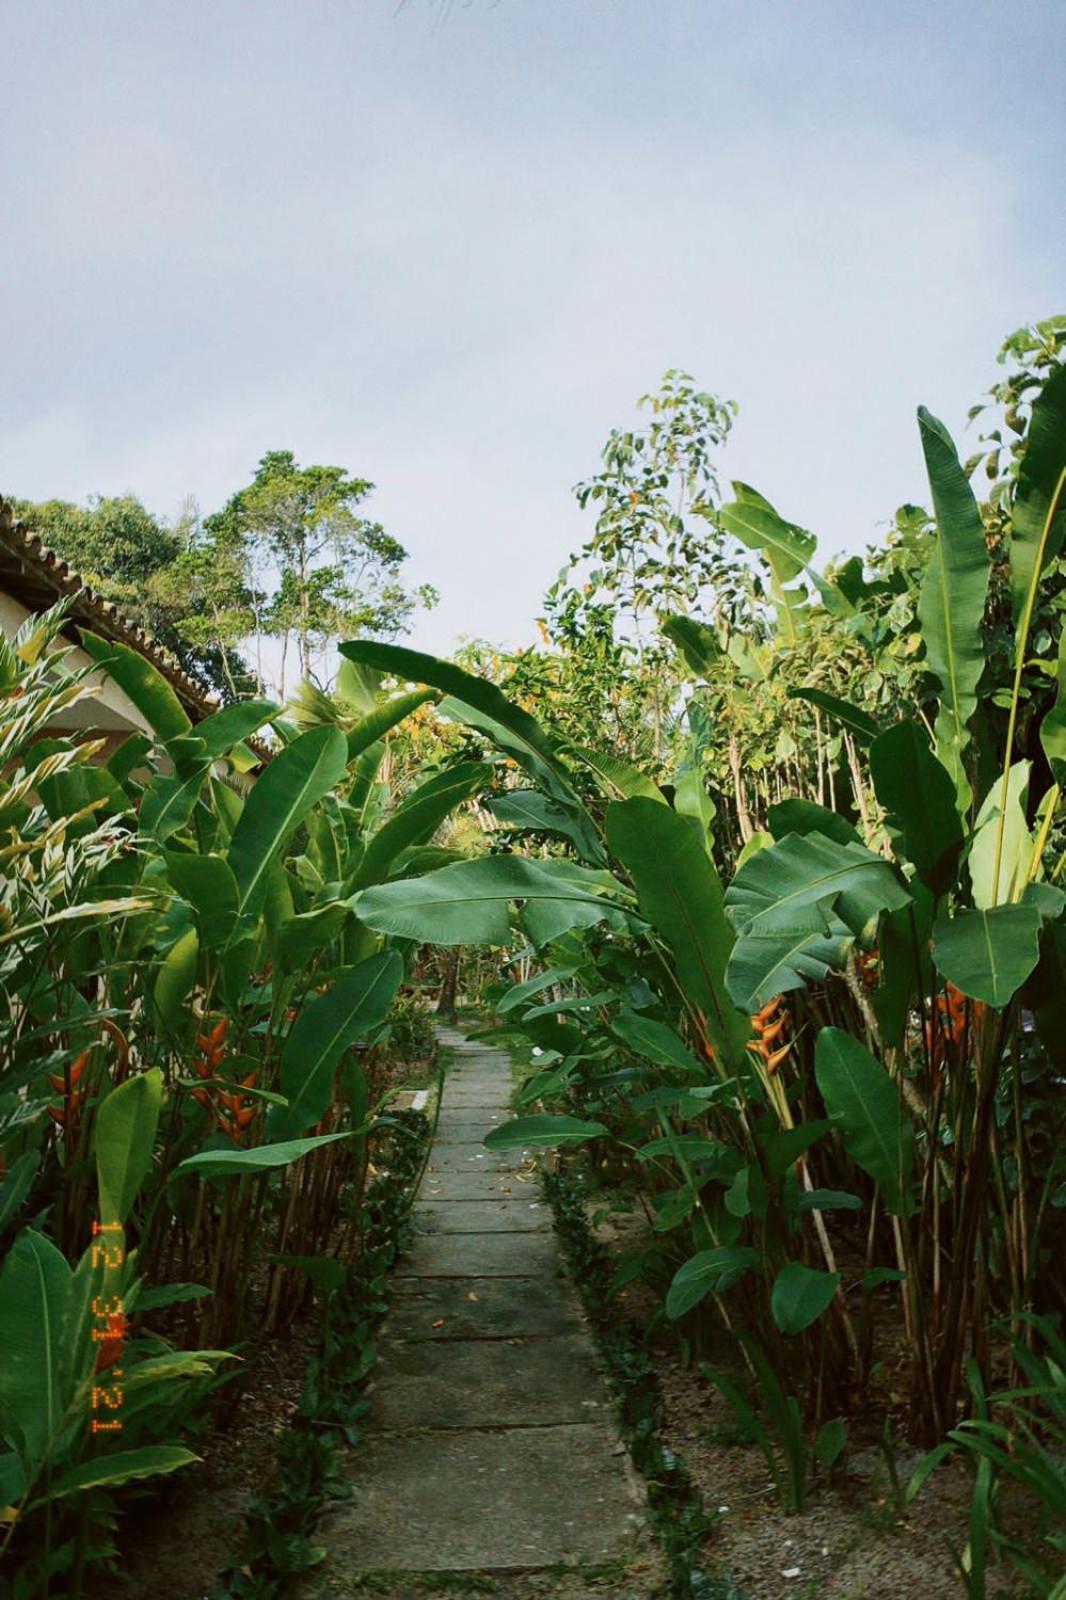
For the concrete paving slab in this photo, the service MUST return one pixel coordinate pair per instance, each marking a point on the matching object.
(481, 1308)
(480, 1183)
(479, 1502)
(445, 1157)
(486, 1383)
(481, 1255)
(482, 1216)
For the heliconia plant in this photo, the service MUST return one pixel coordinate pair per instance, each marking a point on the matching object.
(851, 1020)
(186, 1055)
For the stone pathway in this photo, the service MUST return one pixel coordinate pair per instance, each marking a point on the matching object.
(490, 1448)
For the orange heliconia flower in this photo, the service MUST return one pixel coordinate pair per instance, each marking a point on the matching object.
(769, 1025)
(73, 1097)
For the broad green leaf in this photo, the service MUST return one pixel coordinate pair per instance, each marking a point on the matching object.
(542, 1133)
(169, 802)
(119, 1466)
(325, 1272)
(34, 1285)
(753, 520)
(618, 780)
(679, 892)
(175, 979)
(529, 811)
(709, 1272)
(800, 1295)
(302, 937)
(377, 723)
(468, 903)
(781, 955)
(1038, 478)
(806, 816)
(800, 871)
(521, 992)
(417, 820)
(867, 1108)
(784, 1146)
(655, 1042)
(905, 964)
(126, 1124)
(1017, 850)
(142, 682)
(298, 777)
(692, 800)
(208, 885)
(862, 727)
(951, 604)
(988, 954)
(230, 1163)
(918, 797)
(233, 724)
(464, 686)
(356, 1002)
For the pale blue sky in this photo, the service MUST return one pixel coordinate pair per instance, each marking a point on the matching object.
(448, 251)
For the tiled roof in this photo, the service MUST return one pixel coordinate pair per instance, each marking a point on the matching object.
(37, 577)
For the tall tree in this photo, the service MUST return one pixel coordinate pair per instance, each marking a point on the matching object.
(335, 572)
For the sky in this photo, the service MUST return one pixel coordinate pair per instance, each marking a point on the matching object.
(447, 245)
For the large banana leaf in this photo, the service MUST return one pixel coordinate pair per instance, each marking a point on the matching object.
(169, 801)
(175, 979)
(680, 894)
(529, 811)
(144, 684)
(951, 605)
(867, 1108)
(219, 733)
(1039, 477)
(918, 797)
(416, 667)
(33, 1293)
(785, 547)
(618, 779)
(469, 903)
(1017, 842)
(421, 814)
(752, 519)
(988, 954)
(771, 961)
(800, 871)
(206, 883)
(356, 1002)
(126, 1125)
(295, 780)
(377, 723)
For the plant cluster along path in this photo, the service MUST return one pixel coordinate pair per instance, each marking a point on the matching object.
(490, 1448)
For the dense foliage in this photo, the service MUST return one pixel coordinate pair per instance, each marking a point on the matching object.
(760, 859)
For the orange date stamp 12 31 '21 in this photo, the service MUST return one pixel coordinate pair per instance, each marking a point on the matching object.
(109, 1332)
